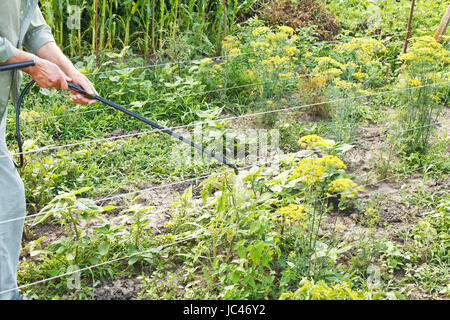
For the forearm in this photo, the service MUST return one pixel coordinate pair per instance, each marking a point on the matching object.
(21, 56)
(51, 52)
(46, 73)
(53, 69)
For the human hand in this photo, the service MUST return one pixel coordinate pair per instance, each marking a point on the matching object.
(81, 80)
(48, 75)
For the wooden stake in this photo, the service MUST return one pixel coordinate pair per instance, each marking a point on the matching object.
(408, 29)
(443, 25)
(95, 40)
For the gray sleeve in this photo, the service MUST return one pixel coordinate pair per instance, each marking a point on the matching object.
(38, 33)
(6, 49)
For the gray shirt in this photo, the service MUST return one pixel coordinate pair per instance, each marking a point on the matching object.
(21, 24)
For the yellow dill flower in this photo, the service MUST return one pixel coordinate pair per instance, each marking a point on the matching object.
(30, 115)
(311, 141)
(407, 56)
(286, 30)
(310, 169)
(275, 61)
(260, 30)
(349, 65)
(293, 213)
(286, 75)
(319, 81)
(365, 49)
(333, 161)
(344, 187)
(229, 42)
(274, 37)
(435, 98)
(359, 75)
(229, 38)
(333, 72)
(343, 84)
(234, 52)
(426, 49)
(363, 92)
(327, 61)
(414, 83)
(340, 226)
(205, 62)
(290, 51)
(259, 45)
(217, 67)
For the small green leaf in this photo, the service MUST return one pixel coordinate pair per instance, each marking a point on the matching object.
(103, 248)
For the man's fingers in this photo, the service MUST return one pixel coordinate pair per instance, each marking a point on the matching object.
(61, 83)
(88, 87)
(64, 85)
(78, 98)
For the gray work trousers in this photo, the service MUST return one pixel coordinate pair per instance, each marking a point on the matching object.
(12, 207)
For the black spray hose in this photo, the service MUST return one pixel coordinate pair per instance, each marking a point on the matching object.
(19, 140)
(18, 65)
(79, 89)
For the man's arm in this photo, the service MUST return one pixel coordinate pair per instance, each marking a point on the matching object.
(53, 68)
(45, 73)
(51, 52)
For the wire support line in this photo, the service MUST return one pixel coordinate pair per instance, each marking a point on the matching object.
(198, 60)
(287, 109)
(181, 240)
(105, 263)
(129, 194)
(174, 96)
(109, 198)
(165, 99)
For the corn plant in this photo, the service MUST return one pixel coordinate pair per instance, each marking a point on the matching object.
(115, 24)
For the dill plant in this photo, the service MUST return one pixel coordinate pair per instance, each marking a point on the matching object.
(352, 69)
(261, 59)
(424, 66)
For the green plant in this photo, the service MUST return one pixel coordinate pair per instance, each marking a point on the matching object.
(146, 23)
(71, 212)
(424, 65)
(308, 290)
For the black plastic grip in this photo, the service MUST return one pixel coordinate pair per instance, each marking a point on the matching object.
(18, 65)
